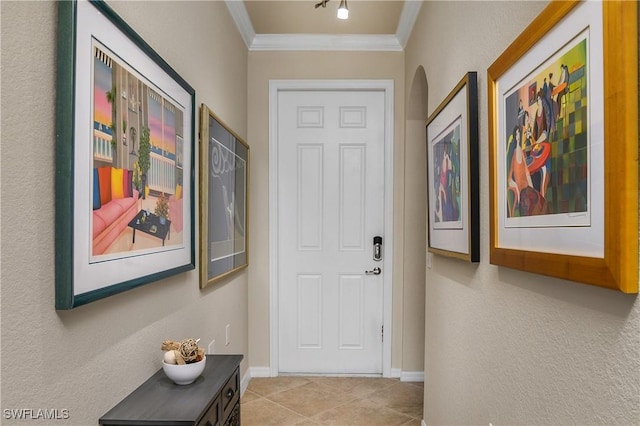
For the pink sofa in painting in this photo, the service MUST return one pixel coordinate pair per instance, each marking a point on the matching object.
(115, 203)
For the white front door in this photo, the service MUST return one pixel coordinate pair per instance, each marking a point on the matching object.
(331, 188)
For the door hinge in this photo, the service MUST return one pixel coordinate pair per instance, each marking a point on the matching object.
(382, 333)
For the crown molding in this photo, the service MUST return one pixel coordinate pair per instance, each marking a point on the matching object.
(240, 16)
(348, 42)
(408, 18)
(327, 42)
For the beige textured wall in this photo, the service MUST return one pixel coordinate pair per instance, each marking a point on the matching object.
(415, 243)
(87, 359)
(265, 66)
(505, 346)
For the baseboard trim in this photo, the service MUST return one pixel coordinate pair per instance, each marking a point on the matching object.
(260, 371)
(412, 376)
(407, 376)
(244, 383)
(396, 373)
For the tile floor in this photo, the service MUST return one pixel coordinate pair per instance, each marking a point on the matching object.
(339, 401)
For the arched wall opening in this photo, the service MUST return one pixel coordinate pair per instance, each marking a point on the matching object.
(415, 222)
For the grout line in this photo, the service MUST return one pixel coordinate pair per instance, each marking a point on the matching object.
(283, 407)
(320, 412)
(279, 391)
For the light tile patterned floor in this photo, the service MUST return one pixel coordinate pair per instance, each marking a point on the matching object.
(339, 401)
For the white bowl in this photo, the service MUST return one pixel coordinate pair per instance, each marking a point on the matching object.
(184, 374)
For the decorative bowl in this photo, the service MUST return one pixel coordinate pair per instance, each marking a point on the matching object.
(184, 374)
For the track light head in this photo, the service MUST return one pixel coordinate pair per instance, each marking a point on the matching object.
(343, 10)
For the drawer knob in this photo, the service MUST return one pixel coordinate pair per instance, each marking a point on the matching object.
(230, 393)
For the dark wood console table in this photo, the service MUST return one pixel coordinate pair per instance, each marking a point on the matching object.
(212, 400)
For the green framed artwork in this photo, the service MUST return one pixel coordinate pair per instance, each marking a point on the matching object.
(563, 132)
(124, 159)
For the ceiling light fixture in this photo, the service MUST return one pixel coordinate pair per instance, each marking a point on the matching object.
(343, 10)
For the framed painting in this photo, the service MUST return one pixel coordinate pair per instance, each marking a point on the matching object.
(224, 198)
(563, 140)
(124, 159)
(453, 174)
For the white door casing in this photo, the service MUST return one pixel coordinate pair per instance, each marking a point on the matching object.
(331, 150)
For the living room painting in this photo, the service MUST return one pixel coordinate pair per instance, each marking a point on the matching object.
(137, 179)
(125, 159)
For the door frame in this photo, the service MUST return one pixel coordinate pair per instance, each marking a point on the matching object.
(276, 86)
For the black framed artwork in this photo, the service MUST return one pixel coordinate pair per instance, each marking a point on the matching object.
(453, 174)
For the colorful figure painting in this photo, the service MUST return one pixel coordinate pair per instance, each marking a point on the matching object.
(137, 137)
(446, 179)
(547, 150)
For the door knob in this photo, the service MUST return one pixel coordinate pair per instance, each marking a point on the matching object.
(374, 271)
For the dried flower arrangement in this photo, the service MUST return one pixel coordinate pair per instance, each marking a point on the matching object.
(184, 352)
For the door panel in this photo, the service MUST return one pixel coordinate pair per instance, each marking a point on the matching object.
(351, 312)
(309, 311)
(309, 204)
(352, 197)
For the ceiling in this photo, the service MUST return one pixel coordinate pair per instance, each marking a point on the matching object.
(301, 17)
(299, 25)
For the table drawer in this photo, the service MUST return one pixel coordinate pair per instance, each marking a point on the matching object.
(230, 394)
(234, 417)
(213, 416)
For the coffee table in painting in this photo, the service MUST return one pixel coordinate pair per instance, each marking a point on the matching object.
(150, 224)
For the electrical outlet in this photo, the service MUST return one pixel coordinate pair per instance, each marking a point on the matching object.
(227, 335)
(212, 347)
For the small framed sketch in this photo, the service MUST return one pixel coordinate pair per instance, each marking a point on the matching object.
(224, 197)
(453, 172)
(563, 141)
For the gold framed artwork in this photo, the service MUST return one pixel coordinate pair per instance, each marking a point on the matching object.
(224, 196)
(563, 146)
